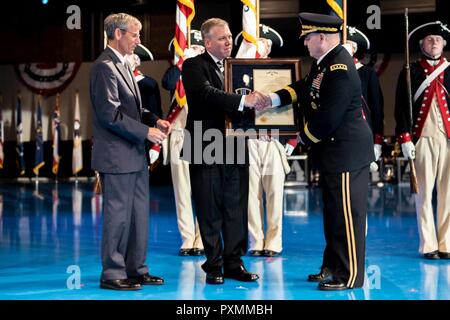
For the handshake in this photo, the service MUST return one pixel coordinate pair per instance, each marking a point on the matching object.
(258, 101)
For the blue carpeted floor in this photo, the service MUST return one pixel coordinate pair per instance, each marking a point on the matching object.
(50, 245)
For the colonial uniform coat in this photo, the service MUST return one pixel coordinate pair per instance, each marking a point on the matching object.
(373, 103)
(186, 220)
(431, 135)
(334, 126)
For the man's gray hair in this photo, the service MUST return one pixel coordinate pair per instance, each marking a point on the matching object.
(209, 24)
(121, 21)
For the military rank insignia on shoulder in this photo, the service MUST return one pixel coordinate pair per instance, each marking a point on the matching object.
(338, 66)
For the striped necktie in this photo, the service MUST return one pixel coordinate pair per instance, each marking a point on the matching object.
(220, 65)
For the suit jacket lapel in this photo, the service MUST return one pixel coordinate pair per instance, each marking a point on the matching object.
(123, 71)
(216, 69)
(129, 80)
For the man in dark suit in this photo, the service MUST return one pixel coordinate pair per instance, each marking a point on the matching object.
(334, 126)
(119, 154)
(219, 184)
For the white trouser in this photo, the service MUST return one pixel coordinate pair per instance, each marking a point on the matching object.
(266, 174)
(433, 167)
(187, 223)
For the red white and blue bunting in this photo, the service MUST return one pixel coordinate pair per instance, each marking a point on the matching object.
(47, 79)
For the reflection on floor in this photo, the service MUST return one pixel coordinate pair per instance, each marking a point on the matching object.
(50, 240)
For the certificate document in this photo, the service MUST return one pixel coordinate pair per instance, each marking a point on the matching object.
(267, 81)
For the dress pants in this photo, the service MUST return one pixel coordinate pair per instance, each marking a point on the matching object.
(266, 175)
(125, 224)
(433, 169)
(220, 194)
(187, 223)
(344, 217)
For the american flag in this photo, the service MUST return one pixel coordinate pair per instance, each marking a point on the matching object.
(185, 12)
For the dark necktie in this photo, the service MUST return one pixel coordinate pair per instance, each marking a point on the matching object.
(220, 65)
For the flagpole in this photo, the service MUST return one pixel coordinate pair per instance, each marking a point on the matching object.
(57, 141)
(76, 173)
(257, 20)
(37, 171)
(344, 27)
(188, 36)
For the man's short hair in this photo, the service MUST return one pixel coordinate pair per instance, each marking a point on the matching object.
(119, 21)
(209, 24)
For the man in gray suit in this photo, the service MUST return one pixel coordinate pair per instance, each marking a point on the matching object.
(119, 154)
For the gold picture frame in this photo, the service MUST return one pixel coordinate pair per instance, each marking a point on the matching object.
(242, 76)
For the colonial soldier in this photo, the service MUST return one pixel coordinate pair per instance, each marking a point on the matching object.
(267, 171)
(334, 126)
(372, 96)
(191, 241)
(429, 144)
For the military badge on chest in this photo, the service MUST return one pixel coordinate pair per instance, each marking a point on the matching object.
(315, 90)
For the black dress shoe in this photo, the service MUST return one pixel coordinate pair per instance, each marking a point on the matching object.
(120, 284)
(332, 285)
(444, 255)
(184, 252)
(241, 274)
(196, 252)
(148, 279)
(434, 255)
(323, 275)
(255, 253)
(270, 253)
(214, 277)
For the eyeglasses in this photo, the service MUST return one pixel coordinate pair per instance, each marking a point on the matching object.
(134, 35)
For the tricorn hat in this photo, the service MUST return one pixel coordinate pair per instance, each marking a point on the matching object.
(430, 28)
(427, 29)
(359, 37)
(143, 53)
(267, 33)
(196, 39)
(314, 22)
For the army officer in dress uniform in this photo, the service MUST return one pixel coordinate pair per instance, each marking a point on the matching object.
(334, 126)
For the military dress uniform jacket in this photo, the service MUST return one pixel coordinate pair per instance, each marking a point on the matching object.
(330, 99)
(439, 86)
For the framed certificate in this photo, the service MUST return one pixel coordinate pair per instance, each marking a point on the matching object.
(242, 76)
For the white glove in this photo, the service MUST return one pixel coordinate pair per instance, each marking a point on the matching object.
(377, 151)
(409, 151)
(373, 167)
